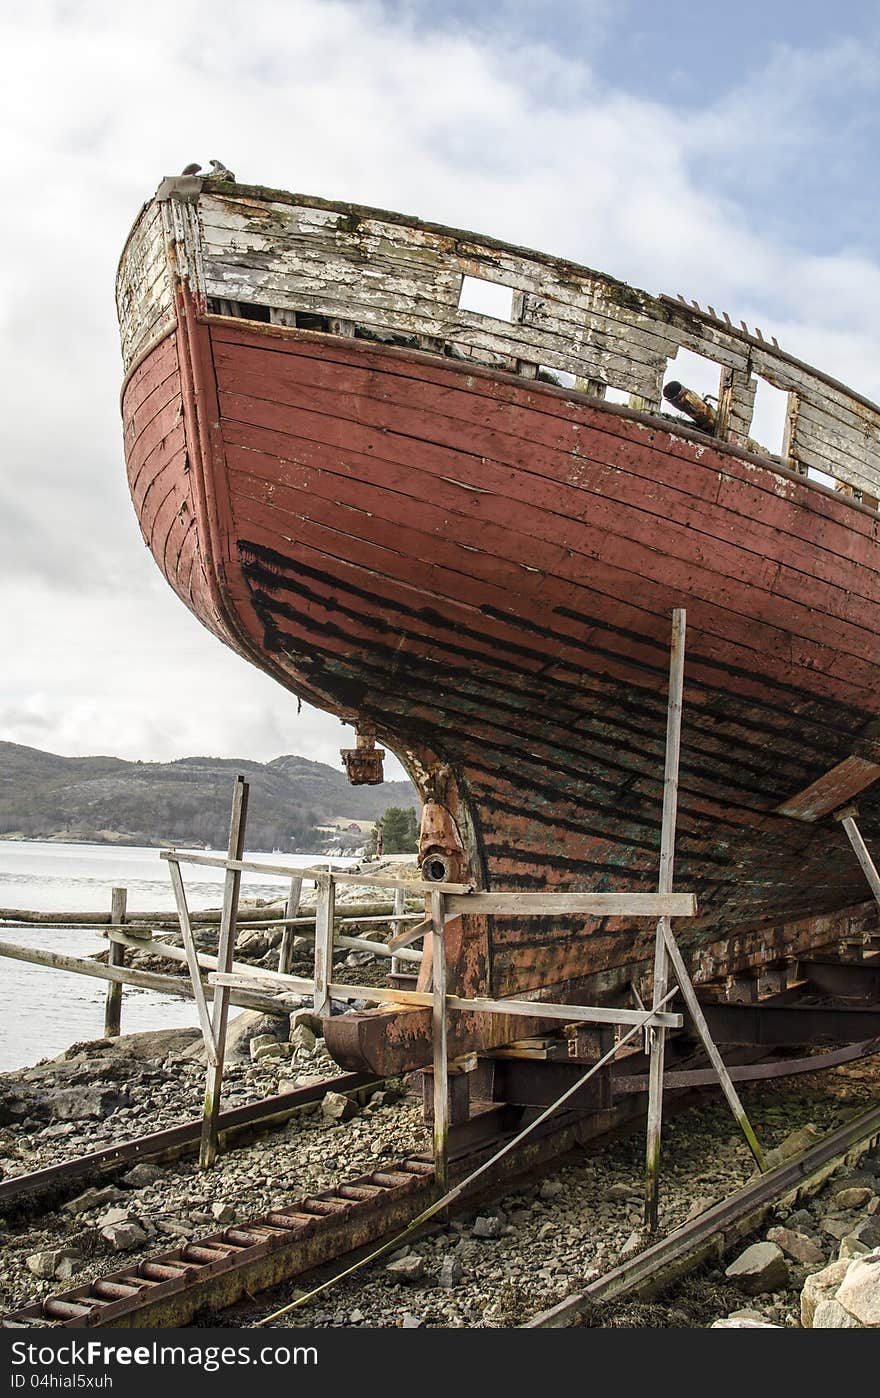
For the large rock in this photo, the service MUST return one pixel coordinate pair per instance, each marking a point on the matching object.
(451, 1272)
(337, 1107)
(794, 1143)
(94, 1199)
(821, 1286)
(123, 1237)
(302, 1038)
(830, 1315)
(250, 1024)
(859, 1292)
(406, 1269)
(140, 1176)
(85, 1103)
(761, 1267)
(852, 1198)
(54, 1262)
(796, 1245)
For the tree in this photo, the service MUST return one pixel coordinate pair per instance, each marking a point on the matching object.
(399, 828)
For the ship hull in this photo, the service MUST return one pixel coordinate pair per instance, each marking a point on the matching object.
(484, 569)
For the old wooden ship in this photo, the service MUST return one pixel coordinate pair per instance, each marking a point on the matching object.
(437, 524)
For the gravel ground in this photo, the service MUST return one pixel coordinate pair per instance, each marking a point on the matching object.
(493, 1268)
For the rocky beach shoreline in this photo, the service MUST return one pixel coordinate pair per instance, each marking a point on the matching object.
(815, 1265)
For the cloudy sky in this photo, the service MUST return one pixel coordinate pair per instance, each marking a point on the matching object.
(726, 152)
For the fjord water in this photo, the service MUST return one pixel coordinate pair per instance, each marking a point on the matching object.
(44, 1011)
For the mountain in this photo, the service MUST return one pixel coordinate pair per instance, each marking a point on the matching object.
(44, 796)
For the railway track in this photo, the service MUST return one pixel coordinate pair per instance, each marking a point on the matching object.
(55, 1182)
(217, 1270)
(720, 1228)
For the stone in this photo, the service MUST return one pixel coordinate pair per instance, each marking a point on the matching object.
(796, 1245)
(114, 1215)
(631, 1246)
(851, 1198)
(411, 1322)
(124, 1236)
(265, 1046)
(356, 1316)
(551, 1189)
(830, 1315)
(793, 1144)
(801, 1221)
(406, 1269)
(859, 1292)
(93, 1199)
(850, 1247)
(222, 1213)
(451, 1272)
(746, 1313)
(744, 1325)
(309, 1019)
(337, 1107)
(867, 1232)
(68, 1267)
(303, 1039)
(48, 1263)
(621, 1191)
(836, 1227)
(141, 1176)
(821, 1286)
(762, 1267)
(85, 1103)
(486, 1227)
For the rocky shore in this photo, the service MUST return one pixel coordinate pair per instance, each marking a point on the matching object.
(495, 1266)
(816, 1265)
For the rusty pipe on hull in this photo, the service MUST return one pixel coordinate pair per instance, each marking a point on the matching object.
(691, 403)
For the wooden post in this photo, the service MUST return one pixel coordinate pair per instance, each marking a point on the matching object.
(685, 985)
(192, 961)
(115, 957)
(661, 961)
(399, 905)
(225, 955)
(438, 1034)
(847, 818)
(285, 955)
(325, 912)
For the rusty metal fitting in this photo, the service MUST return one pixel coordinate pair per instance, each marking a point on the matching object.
(363, 764)
(691, 403)
(441, 852)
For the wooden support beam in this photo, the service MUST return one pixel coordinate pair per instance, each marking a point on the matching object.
(326, 904)
(193, 962)
(225, 956)
(570, 904)
(285, 955)
(685, 985)
(657, 1035)
(399, 906)
(847, 818)
(380, 995)
(251, 866)
(438, 1031)
(115, 957)
(244, 995)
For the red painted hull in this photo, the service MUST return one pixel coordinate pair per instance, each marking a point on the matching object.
(484, 569)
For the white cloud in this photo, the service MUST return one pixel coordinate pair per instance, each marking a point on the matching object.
(476, 129)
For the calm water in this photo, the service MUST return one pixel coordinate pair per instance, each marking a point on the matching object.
(44, 1011)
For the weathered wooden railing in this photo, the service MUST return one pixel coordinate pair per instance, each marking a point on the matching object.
(298, 261)
(137, 932)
